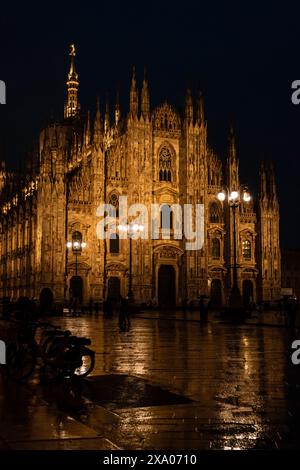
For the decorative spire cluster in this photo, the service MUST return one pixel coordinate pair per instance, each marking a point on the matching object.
(267, 184)
(189, 108)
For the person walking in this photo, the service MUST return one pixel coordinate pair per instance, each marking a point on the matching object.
(124, 320)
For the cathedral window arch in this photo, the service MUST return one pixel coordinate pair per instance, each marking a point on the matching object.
(114, 201)
(165, 164)
(114, 242)
(247, 249)
(215, 248)
(214, 213)
(77, 236)
(166, 217)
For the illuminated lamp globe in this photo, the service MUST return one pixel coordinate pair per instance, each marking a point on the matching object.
(221, 196)
(234, 195)
(246, 196)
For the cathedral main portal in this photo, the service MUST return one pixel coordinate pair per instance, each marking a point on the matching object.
(166, 287)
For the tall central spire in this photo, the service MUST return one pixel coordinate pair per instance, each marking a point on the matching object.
(72, 105)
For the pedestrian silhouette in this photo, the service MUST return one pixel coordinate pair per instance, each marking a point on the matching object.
(124, 320)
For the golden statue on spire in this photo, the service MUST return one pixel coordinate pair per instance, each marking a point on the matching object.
(72, 50)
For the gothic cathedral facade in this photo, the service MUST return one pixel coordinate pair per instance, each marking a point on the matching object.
(153, 156)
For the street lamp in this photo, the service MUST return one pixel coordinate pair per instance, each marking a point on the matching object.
(235, 198)
(131, 230)
(76, 245)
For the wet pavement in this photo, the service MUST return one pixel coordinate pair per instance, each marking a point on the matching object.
(168, 383)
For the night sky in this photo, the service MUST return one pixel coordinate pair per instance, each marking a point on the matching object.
(243, 56)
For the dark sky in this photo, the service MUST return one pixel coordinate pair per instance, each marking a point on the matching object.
(243, 56)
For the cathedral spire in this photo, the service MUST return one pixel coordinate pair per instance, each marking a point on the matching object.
(232, 163)
(273, 191)
(262, 181)
(87, 131)
(200, 108)
(72, 105)
(106, 116)
(145, 98)
(117, 110)
(189, 113)
(267, 190)
(97, 123)
(231, 145)
(134, 100)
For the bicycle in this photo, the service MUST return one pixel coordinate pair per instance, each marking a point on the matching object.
(65, 355)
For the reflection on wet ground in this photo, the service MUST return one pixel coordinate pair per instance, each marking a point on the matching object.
(234, 388)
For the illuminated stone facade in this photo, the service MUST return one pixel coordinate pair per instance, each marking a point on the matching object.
(152, 156)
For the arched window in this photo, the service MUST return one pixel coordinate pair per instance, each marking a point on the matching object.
(77, 236)
(114, 244)
(214, 213)
(246, 248)
(114, 201)
(215, 248)
(166, 217)
(165, 164)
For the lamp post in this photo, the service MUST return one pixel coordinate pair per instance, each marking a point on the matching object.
(131, 230)
(235, 199)
(76, 245)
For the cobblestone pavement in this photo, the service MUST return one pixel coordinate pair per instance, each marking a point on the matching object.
(166, 384)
